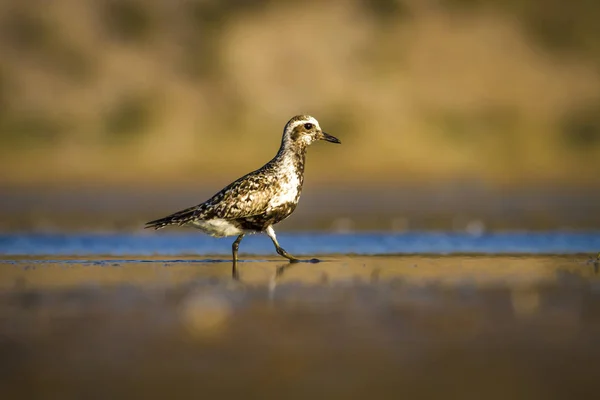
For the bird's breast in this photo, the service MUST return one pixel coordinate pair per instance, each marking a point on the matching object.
(288, 191)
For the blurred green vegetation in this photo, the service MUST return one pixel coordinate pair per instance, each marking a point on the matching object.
(129, 20)
(30, 34)
(501, 92)
(21, 131)
(391, 11)
(128, 118)
(581, 128)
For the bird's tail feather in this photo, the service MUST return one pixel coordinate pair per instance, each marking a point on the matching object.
(179, 218)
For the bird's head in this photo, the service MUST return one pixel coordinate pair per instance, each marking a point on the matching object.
(303, 130)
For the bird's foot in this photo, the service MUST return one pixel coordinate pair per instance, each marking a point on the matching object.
(287, 255)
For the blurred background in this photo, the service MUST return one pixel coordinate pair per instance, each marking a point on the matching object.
(454, 114)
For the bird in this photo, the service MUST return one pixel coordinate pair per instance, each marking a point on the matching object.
(260, 199)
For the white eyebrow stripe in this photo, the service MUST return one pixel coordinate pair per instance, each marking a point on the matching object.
(312, 120)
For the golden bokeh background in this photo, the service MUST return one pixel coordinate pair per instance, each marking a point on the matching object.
(173, 94)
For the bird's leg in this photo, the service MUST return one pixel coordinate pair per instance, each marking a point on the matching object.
(234, 249)
(235, 246)
(280, 250)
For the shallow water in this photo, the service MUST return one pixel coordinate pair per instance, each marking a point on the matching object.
(302, 244)
(421, 326)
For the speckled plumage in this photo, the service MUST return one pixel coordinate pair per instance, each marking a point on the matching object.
(260, 199)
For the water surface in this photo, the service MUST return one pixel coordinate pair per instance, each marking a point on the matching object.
(302, 244)
(417, 315)
(351, 327)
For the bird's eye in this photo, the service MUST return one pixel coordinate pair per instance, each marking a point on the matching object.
(308, 126)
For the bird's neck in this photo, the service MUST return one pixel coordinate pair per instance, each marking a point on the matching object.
(291, 156)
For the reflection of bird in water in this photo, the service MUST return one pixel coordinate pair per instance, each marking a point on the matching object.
(260, 199)
(277, 274)
(279, 271)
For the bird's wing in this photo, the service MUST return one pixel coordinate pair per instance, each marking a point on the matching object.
(246, 197)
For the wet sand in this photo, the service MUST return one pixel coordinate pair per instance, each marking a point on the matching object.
(347, 327)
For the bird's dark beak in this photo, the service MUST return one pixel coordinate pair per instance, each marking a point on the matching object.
(329, 138)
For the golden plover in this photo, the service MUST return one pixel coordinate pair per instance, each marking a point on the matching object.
(260, 199)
